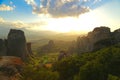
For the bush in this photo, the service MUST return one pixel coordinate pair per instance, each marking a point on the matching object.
(33, 71)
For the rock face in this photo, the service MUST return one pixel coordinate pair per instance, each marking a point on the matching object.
(99, 33)
(62, 55)
(99, 38)
(13, 51)
(116, 36)
(29, 48)
(2, 48)
(16, 44)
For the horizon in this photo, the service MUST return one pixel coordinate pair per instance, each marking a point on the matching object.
(62, 16)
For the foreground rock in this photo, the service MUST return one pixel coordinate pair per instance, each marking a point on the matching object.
(13, 51)
(10, 68)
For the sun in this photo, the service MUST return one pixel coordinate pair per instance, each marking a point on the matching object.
(81, 24)
(61, 24)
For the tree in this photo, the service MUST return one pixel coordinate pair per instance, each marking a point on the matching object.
(67, 67)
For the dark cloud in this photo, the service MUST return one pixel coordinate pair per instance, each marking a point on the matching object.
(61, 8)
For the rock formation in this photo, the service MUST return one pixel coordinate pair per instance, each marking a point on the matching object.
(116, 36)
(2, 48)
(99, 38)
(16, 44)
(13, 51)
(10, 67)
(29, 48)
(98, 34)
(62, 55)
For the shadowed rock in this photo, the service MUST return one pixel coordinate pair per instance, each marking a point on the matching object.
(2, 48)
(16, 44)
(62, 55)
(116, 36)
(89, 43)
(99, 33)
(29, 49)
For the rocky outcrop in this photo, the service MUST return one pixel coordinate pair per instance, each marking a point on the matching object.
(10, 68)
(16, 44)
(98, 34)
(2, 48)
(83, 44)
(62, 55)
(29, 48)
(13, 51)
(99, 38)
(116, 36)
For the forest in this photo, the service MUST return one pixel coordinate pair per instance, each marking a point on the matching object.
(103, 64)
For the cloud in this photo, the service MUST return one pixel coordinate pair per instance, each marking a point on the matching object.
(4, 7)
(28, 28)
(21, 25)
(1, 20)
(61, 8)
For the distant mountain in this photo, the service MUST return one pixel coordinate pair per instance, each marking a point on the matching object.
(40, 35)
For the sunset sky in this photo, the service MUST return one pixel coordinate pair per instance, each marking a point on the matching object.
(59, 15)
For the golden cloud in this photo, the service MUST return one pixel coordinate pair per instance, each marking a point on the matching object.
(4, 7)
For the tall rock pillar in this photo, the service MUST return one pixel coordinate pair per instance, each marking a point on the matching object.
(2, 48)
(16, 44)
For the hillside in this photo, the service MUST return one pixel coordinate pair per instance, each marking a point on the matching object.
(59, 39)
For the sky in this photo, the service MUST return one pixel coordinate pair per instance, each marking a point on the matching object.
(79, 16)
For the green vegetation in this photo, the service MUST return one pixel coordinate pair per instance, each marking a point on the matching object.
(100, 65)
(35, 70)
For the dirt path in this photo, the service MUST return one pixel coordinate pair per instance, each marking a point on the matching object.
(3, 77)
